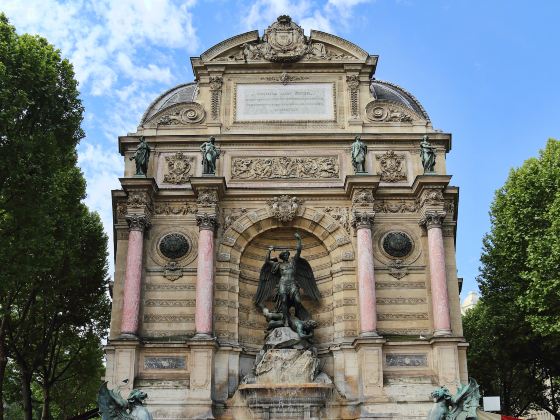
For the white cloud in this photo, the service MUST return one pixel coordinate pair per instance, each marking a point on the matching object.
(309, 14)
(93, 34)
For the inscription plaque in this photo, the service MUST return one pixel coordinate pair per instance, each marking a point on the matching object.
(164, 363)
(278, 102)
(406, 360)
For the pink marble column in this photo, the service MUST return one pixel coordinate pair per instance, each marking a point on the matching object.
(133, 275)
(205, 276)
(440, 298)
(366, 275)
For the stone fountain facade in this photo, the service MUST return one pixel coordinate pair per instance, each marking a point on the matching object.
(284, 108)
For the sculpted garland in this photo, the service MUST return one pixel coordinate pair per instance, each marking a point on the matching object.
(285, 167)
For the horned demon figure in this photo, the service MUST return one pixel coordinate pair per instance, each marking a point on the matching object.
(281, 281)
(112, 406)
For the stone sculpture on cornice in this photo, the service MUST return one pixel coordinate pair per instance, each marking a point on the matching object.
(428, 155)
(359, 152)
(210, 153)
(141, 157)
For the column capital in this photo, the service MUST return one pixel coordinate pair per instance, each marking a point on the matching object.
(139, 222)
(362, 219)
(207, 221)
(432, 219)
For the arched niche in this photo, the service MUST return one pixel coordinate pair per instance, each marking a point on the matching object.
(241, 253)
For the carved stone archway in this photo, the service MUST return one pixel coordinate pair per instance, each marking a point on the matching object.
(332, 237)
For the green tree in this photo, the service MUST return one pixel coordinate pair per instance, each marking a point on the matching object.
(515, 329)
(53, 305)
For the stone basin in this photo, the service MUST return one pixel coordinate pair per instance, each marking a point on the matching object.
(306, 400)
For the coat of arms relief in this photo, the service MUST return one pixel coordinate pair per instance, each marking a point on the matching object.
(284, 42)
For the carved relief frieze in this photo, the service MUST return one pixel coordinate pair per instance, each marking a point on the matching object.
(169, 208)
(404, 331)
(285, 167)
(431, 197)
(178, 168)
(388, 111)
(395, 206)
(284, 208)
(167, 318)
(161, 362)
(401, 301)
(400, 285)
(150, 287)
(362, 196)
(392, 166)
(231, 215)
(207, 197)
(139, 200)
(173, 303)
(405, 316)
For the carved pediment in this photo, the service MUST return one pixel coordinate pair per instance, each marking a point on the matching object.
(284, 42)
(182, 114)
(389, 111)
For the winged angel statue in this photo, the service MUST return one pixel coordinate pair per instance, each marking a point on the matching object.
(462, 406)
(112, 406)
(281, 282)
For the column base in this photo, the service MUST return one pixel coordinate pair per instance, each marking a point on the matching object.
(128, 336)
(367, 334)
(442, 333)
(203, 336)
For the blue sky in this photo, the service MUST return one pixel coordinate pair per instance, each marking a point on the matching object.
(486, 71)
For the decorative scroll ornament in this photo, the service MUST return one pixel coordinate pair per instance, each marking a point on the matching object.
(285, 167)
(363, 196)
(353, 83)
(388, 111)
(178, 168)
(284, 208)
(206, 221)
(174, 246)
(231, 215)
(216, 83)
(179, 114)
(340, 214)
(361, 220)
(432, 219)
(285, 78)
(138, 222)
(391, 167)
(397, 244)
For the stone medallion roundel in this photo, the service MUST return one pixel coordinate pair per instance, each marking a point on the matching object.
(397, 244)
(174, 246)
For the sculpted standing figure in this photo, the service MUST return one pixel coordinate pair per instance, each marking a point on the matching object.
(281, 281)
(209, 155)
(141, 157)
(428, 155)
(359, 152)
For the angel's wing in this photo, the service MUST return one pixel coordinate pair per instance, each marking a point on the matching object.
(111, 405)
(306, 280)
(267, 283)
(465, 403)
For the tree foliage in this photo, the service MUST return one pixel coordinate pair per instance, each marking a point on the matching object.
(515, 329)
(53, 305)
